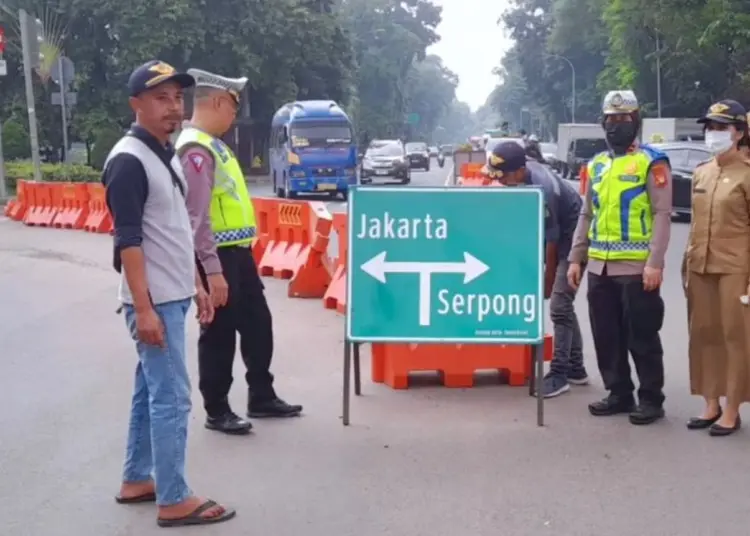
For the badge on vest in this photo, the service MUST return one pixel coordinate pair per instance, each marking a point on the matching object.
(629, 178)
(218, 146)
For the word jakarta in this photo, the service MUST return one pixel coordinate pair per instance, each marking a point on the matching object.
(403, 228)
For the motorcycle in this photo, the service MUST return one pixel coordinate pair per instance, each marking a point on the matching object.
(441, 160)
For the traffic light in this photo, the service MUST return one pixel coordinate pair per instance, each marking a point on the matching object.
(36, 38)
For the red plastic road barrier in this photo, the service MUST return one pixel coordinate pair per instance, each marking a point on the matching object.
(392, 363)
(335, 296)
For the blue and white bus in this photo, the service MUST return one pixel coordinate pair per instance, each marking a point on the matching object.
(312, 149)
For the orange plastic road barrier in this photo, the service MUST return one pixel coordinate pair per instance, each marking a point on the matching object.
(72, 202)
(16, 209)
(99, 219)
(474, 181)
(471, 170)
(9, 207)
(266, 215)
(392, 363)
(335, 296)
(299, 235)
(583, 177)
(41, 204)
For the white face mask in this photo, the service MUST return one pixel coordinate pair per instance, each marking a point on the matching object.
(719, 141)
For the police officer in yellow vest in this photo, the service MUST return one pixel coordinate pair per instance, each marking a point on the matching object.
(622, 238)
(224, 226)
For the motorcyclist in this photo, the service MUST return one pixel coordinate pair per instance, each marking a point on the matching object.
(533, 150)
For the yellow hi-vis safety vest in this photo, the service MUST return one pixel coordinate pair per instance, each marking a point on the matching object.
(622, 225)
(231, 212)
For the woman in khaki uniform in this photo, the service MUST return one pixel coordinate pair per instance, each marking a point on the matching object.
(716, 271)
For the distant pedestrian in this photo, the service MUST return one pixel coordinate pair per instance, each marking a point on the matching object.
(623, 232)
(716, 272)
(223, 219)
(509, 165)
(153, 249)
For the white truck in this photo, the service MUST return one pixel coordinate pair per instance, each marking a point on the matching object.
(576, 144)
(663, 129)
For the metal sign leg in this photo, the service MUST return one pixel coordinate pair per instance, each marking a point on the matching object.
(347, 381)
(539, 366)
(357, 370)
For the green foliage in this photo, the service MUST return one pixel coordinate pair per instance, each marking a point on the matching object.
(15, 140)
(105, 140)
(24, 170)
(703, 47)
(368, 55)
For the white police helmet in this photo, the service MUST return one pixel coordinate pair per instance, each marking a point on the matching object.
(621, 101)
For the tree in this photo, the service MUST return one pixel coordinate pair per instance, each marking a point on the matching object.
(368, 55)
(388, 36)
(701, 48)
(431, 90)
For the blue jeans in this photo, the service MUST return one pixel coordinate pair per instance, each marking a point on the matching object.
(157, 435)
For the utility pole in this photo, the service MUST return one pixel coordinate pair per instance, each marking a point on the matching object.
(63, 107)
(658, 74)
(3, 72)
(32, 35)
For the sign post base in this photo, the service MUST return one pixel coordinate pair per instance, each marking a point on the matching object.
(536, 380)
(351, 354)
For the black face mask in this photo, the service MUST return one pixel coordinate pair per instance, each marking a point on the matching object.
(620, 136)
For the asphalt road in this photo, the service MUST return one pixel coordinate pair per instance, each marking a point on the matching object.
(424, 462)
(435, 177)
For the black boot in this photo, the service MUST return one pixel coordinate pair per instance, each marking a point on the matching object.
(271, 408)
(612, 405)
(229, 423)
(646, 413)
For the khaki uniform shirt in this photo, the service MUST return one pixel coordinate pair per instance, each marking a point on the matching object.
(719, 240)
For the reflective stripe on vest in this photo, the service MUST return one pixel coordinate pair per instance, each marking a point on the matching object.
(622, 225)
(231, 212)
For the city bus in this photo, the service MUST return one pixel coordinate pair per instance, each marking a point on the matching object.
(312, 150)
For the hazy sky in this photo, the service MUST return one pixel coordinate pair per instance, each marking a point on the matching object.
(472, 44)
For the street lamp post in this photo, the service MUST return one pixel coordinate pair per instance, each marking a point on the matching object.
(573, 76)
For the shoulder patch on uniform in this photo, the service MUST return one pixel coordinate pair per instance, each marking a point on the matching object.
(660, 172)
(197, 160)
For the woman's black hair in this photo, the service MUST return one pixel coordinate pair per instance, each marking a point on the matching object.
(744, 141)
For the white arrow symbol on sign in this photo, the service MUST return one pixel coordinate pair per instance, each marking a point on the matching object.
(378, 267)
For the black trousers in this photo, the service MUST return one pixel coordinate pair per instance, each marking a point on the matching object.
(246, 313)
(627, 318)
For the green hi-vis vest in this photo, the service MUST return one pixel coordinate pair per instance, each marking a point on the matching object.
(622, 225)
(232, 213)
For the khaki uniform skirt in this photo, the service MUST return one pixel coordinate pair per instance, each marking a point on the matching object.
(719, 328)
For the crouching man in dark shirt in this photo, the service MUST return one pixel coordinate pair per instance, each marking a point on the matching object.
(145, 192)
(508, 164)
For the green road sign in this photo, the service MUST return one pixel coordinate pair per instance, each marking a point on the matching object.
(460, 265)
(412, 118)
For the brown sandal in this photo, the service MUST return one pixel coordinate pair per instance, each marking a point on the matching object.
(138, 499)
(195, 517)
